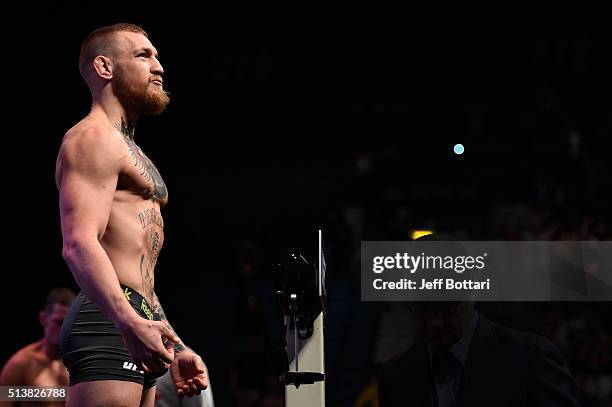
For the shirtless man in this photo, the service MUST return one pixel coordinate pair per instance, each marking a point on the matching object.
(39, 363)
(116, 338)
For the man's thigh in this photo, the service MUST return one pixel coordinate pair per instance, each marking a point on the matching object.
(148, 397)
(105, 393)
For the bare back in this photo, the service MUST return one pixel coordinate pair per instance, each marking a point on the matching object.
(134, 231)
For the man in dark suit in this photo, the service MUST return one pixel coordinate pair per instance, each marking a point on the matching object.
(462, 359)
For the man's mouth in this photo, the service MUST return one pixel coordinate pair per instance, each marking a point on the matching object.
(158, 82)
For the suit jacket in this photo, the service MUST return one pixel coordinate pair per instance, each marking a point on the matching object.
(504, 367)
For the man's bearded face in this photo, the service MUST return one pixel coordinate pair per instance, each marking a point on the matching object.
(139, 94)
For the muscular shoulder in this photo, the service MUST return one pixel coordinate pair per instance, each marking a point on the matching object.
(15, 369)
(91, 143)
(91, 149)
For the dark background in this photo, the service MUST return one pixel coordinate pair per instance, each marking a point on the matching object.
(285, 119)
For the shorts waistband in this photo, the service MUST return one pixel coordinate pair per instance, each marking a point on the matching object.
(139, 302)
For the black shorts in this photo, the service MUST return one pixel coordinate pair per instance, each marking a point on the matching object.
(93, 348)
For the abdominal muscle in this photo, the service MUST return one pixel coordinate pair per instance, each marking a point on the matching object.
(133, 239)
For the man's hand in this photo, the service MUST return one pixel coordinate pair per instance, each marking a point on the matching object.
(188, 373)
(144, 340)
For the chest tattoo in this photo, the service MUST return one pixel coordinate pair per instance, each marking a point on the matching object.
(144, 165)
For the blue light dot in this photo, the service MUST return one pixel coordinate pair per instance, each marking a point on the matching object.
(459, 149)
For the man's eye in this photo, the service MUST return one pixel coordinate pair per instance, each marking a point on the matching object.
(142, 55)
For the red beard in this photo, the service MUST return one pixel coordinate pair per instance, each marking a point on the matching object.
(143, 97)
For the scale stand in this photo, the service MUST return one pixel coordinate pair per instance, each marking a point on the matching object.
(302, 302)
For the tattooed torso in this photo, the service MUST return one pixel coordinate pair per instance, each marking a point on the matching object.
(135, 232)
(105, 180)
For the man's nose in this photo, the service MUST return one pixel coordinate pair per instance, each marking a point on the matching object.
(157, 68)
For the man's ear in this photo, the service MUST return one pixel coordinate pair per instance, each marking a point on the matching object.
(41, 318)
(103, 66)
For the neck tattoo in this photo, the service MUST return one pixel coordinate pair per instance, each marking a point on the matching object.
(126, 128)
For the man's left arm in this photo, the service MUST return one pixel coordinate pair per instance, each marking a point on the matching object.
(187, 370)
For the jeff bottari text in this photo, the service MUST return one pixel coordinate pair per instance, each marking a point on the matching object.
(412, 264)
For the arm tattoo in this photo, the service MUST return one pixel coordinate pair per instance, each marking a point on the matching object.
(178, 348)
(158, 309)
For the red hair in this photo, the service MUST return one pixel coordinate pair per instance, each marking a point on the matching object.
(100, 41)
